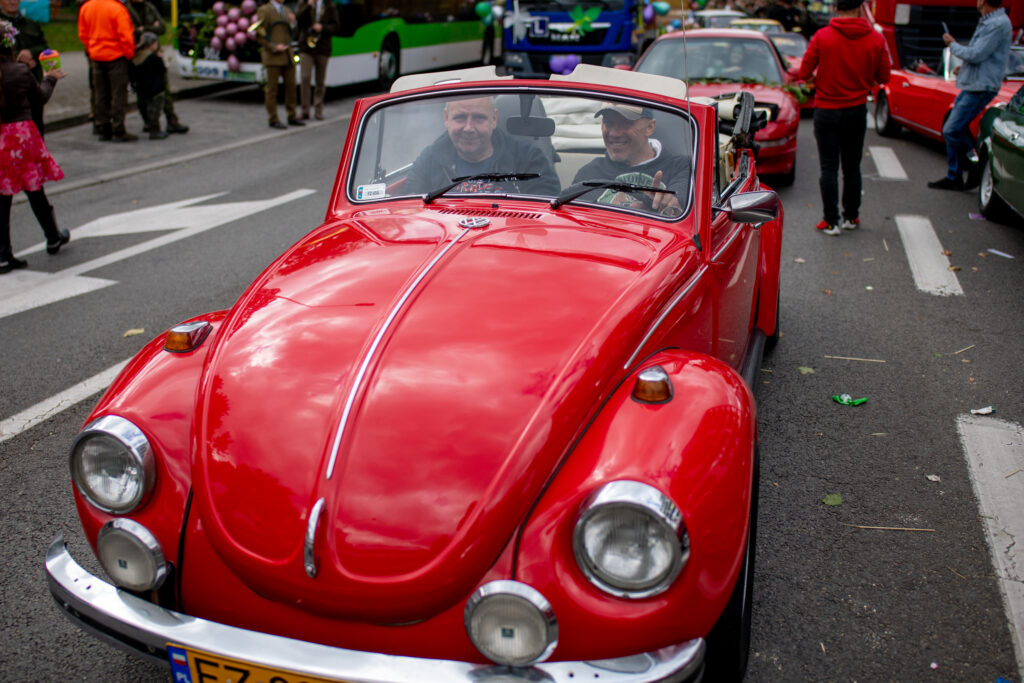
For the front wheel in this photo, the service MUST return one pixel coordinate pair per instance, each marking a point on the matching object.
(991, 205)
(728, 644)
(883, 118)
(388, 63)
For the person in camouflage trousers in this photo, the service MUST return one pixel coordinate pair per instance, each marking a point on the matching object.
(147, 18)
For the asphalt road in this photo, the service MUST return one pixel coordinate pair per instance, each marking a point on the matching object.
(833, 601)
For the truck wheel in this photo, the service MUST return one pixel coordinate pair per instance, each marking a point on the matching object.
(728, 644)
(388, 63)
(883, 118)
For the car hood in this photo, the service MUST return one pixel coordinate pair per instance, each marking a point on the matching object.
(458, 375)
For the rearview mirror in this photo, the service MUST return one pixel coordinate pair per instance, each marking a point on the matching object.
(753, 207)
(531, 127)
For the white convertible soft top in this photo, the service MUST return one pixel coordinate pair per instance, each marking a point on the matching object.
(583, 73)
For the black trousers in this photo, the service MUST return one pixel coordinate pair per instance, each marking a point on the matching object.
(840, 137)
(110, 80)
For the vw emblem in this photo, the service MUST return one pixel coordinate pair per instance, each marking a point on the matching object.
(475, 222)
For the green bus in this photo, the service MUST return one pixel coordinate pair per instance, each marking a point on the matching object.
(379, 40)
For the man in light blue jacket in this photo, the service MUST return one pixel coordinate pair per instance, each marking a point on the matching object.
(979, 79)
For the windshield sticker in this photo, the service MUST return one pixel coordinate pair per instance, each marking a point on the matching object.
(375, 191)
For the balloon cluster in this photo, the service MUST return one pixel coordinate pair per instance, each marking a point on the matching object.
(230, 30)
(652, 9)
(488, 13)
(563, 64)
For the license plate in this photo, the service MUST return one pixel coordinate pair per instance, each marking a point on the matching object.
(196, 666)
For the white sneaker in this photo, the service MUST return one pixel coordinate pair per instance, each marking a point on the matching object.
(848, 224)
(828, 229)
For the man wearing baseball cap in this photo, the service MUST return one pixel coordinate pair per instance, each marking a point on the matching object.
(847, 59)
(633, 156)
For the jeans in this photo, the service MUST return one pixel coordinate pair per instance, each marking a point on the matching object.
(840, 137)
(957, 129)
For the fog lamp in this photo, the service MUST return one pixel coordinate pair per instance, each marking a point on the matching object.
(131, 555)
(511, 623)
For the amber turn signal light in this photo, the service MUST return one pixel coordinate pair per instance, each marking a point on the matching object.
(187, 336)
(653, 386)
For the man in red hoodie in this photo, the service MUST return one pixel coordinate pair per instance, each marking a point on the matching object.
(847, 58)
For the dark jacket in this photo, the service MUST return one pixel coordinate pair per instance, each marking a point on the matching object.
(436, 165)
(30, 37)
(22, 92)
(148, 75)
(145, 17)
(675, 173)
(306, 17)
(850, 58)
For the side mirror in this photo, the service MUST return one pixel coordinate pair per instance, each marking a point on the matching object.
(753, 207)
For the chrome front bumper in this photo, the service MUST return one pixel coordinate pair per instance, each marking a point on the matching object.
(145, 629)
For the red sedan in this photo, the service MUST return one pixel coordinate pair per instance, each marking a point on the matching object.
(714, 62)
(492, 420)
(920, 97)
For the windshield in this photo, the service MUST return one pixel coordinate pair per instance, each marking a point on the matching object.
(713, 59)
(790, 45)
(526, 145)
(718, 19)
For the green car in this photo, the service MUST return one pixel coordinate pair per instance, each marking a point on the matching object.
(1001, 148)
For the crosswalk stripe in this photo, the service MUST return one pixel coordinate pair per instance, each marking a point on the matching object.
(928, 265)
(53, 405)
(995, 457)
(887, 164)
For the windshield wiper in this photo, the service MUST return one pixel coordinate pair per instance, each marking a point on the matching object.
(573, 191)
(434, 194)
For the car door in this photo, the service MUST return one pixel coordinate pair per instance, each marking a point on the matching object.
(1008, 157)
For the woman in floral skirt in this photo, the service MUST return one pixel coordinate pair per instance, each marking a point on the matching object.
(25, 163)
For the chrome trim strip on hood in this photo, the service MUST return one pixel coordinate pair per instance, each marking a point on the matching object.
(145, 629)
(358, 381)
(661, 318)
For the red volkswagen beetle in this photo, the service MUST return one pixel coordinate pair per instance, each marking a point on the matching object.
(718, 61)
(495, 426)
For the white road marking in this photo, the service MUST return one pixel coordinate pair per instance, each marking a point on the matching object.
(887, 164)
(871, 121)
(177, 219)
(995, 458)
(46, 409)
(929, 266)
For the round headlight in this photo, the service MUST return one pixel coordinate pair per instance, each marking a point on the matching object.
(511, 623)
(630, 540)
(112, 465)
(131, 555)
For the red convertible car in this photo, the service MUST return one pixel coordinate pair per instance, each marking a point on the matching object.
(491, 421)
(718, 61)
(920, 96)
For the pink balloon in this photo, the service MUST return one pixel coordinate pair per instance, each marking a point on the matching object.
(222, 20)
(248, 6)
(230, 44)
(242, 23)
(218, 8)
(234, 13)
(216, 43)
(233, 63)
(241, 38)
(231, 27)
(220, 32)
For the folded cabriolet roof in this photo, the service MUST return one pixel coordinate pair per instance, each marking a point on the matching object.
(583, 73)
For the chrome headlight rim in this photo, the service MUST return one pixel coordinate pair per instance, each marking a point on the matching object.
(526, 593)
(135, 443)
(145, 540)
(648, 500)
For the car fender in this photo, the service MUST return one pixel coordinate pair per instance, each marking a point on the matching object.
(156, 392)
(697, 449)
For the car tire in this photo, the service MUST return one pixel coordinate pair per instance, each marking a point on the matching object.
(883, 118)
(728, 643)
(388, 64)
(992, 207)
